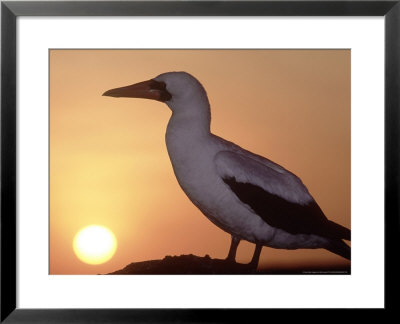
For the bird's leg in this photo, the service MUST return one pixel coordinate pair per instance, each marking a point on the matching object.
(256, 256)
(232, 251)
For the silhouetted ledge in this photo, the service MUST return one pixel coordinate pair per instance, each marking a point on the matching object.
(192, 264)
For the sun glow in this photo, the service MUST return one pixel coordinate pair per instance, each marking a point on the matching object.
(94, 244)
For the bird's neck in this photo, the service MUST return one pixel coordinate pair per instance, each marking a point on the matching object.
(187, 135)
(192, 119)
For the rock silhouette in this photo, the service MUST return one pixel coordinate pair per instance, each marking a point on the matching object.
(192, 264)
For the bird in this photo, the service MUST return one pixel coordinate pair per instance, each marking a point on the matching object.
(245, 194)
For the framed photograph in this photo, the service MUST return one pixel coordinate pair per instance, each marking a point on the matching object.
(195, 161)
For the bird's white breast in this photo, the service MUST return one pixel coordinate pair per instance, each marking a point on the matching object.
(192, 157)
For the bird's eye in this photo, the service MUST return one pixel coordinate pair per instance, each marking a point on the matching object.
(157, 85)
(161, 88)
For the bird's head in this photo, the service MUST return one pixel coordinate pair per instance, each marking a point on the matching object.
(176, 89)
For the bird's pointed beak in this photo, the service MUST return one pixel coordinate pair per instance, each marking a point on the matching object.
(150, 89)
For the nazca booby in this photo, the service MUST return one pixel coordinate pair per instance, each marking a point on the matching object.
(244, 194)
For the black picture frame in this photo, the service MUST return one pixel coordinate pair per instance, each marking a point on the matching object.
(11, 10)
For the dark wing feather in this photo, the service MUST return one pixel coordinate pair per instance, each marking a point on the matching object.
(278, 196)
(291, 217)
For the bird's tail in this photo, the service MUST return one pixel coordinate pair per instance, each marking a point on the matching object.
(340, 231)
(340, 248)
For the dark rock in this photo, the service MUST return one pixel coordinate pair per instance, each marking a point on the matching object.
(192, 264)
(186, 264)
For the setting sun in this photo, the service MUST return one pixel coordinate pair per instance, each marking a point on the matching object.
(94, 244)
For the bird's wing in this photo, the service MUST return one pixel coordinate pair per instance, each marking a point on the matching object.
(274, 179)
(276, 195)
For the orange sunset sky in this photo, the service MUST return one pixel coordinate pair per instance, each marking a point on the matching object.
(109, 164)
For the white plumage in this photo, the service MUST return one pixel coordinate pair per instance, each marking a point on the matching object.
(245, 194)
